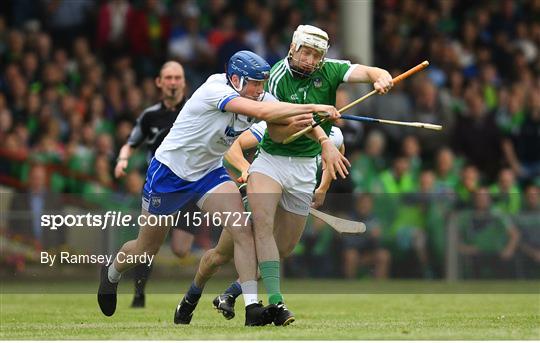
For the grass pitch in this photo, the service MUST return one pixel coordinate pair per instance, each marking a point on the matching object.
(319, 316)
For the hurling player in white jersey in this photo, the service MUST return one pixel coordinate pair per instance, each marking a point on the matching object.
(187, 168)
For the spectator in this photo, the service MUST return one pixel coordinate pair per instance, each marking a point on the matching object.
(436, 205)
(365, 169)
(429, 108)
(446, 171)
(112, 27)
(27, 208)
(68, 19)
(452, 96)
(510, 114)
(189, 45)
(477, 137)
(528, 224)
(488, 240)
(407, 230)
(148, 34)
(505, 193)
(365, 250)
(469, 183)
(522, 146)
(411, 150)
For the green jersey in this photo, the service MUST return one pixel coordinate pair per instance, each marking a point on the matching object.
(319, 88)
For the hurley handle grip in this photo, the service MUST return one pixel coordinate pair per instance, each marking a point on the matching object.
(409, 72)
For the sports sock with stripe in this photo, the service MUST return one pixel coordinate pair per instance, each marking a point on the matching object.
(235, 289)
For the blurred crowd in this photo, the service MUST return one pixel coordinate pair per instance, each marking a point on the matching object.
(75, 75)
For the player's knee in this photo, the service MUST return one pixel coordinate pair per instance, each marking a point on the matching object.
(221, 259)
(242, 235)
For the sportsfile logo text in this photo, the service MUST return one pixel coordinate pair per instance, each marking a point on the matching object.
(119, 219)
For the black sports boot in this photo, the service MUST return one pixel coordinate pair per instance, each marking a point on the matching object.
(107, 293)
(184, 312)
(284, 317)
(259, 315)
(224, 304)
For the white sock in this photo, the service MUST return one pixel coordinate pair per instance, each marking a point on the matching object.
(114, 275)
(249, 291)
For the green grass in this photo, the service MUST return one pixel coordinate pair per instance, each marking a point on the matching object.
(335, 316)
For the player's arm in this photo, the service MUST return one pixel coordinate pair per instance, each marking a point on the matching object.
(235, 154)
(381, 79)
(136, 137)
(270, 111)
(279, 132)
(332, 159)
(122, 160)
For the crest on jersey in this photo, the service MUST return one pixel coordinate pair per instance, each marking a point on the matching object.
(317, 82)
(156, 201)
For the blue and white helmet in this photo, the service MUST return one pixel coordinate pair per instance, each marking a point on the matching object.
(248, 66)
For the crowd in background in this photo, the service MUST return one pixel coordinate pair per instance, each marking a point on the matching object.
(76, 75)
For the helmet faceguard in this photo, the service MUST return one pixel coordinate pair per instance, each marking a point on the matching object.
(312, 37)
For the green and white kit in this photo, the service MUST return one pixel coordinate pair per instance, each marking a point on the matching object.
(294, 165)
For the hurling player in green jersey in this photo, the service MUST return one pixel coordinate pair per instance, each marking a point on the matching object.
(283, 176)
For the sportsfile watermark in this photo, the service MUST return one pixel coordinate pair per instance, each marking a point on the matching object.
(114, 219)
(366, 237)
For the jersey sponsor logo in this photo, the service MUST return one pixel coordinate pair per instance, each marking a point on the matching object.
(231, 132)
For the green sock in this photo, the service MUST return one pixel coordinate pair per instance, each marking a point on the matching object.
(270, 276)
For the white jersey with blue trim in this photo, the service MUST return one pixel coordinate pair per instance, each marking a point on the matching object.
(204, 131)
(258, 129)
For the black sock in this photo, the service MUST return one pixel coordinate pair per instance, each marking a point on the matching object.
(194, 293)
(234, 289)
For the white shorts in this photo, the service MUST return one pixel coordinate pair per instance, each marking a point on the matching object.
(296, 175)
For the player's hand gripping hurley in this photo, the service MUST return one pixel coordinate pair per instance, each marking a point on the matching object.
(395, 80)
